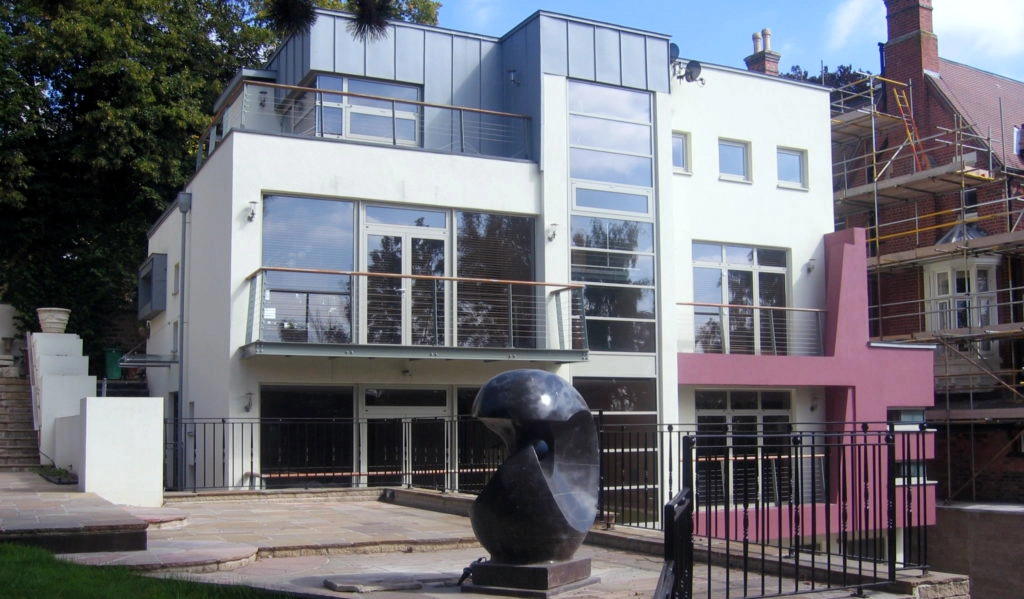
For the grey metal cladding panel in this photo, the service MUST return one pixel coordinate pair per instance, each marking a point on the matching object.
(657, 65)
(437, 84)
(554, 57)
(321, 44)
(466, 72)
(409, 48)
(606, 56)
(492, 77)
(581, 51)
(380, 56)
(349, 53)
(634, 60)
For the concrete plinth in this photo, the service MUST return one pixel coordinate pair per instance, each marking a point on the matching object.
(529, 580)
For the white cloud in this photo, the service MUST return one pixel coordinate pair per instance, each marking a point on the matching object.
(980, 32)
(854, 21)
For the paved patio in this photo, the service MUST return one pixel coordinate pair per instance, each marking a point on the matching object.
(295, 542)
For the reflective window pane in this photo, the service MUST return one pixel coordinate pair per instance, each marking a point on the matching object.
(766, 257)
(379, 88)
(733, 159)
(739, 255)
(707, 252)
(307, 233)
(791, 166)
(611, 200)
(618, 395)
(614, 102)
(621, 335)
(612, 234)
(679, 157)
(610, 167)
(409, 217)
(619, 302)
(606, 267)
(610, 135)
(707, 285)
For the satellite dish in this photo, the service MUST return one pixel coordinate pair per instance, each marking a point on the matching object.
(692, 72)
(673, 52)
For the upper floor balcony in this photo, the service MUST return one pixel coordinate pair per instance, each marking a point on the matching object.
(754, 330)
(329, 114)
(307, 312)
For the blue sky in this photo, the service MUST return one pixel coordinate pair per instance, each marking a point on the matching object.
(987, 34)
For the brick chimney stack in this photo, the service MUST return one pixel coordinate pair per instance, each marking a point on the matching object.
(912, 47)
(763, 61)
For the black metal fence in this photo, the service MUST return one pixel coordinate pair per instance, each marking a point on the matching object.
(783, 507)
(329, 452)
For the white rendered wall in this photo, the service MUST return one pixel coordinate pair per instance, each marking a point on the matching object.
(69, 450)
(768, 112)
(224, 247)
(61, 380)
(122, 458)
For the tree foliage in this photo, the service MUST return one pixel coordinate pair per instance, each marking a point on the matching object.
(101, 106)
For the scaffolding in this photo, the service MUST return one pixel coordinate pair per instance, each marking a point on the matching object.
(946, 252)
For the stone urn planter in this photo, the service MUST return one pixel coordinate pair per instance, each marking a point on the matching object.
(53, 320)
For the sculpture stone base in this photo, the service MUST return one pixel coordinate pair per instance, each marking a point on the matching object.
(530, 580)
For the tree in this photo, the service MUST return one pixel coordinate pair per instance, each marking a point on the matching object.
(100, 110)
(102, 103)
(854, 81)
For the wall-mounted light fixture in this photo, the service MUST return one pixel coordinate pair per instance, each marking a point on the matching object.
(263, 98)
(252, 211)
(513, 77)
(809, 267)
(551, 232)
(248, 402)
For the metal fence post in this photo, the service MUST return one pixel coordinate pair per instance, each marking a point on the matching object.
(890, 446)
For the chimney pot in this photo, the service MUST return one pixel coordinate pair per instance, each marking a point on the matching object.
(757, 42)
(767, 35)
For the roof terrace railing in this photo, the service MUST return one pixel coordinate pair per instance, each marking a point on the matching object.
(343, 116)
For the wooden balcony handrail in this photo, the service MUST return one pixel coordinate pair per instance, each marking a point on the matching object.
(745, 307)
(354, 273)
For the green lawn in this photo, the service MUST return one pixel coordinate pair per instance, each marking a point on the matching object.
(31, 572)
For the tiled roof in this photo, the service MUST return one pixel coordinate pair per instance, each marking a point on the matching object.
(976, 95)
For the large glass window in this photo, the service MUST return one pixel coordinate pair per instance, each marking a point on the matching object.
(313, 234)
(738, 286)
(355, 116)
(498, 247)
(743, 446)
(611, 141)
(610, 135)
(616, 259)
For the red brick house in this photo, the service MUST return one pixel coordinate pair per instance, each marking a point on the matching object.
(929, 157)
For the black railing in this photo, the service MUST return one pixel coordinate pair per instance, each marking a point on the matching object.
(330, 452)
(784, 509)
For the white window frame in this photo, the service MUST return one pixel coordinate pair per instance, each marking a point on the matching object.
(801, 155)
(683, 138)
(945, 303)
(745, 177)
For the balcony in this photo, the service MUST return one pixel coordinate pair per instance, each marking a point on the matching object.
(754, 330)
(350, 117)
(304, 312)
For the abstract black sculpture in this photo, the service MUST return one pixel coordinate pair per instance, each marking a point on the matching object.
(541, 502)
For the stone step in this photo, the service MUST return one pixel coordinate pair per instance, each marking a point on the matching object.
(17, 434)
(20, 460)
(7, 444)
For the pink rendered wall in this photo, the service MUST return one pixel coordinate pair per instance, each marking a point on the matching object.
(861, 381)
